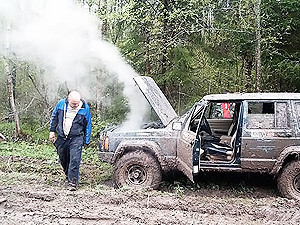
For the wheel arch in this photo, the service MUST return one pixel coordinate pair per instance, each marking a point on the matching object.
(289, 154)
(148, 147)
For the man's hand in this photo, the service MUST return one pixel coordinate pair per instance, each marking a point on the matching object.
(52, 137)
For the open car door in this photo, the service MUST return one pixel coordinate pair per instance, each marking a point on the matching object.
(189, 142)
(185, 148)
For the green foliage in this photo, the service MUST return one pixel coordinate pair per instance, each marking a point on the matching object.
(282, 45)
(32, 131)
(90, 155)
(31, 150)
(3, 97)
(115, 105)
(183, 43)
(190, 47)
(7, 129)
(116, 111)
(35, 131)
(179, 189)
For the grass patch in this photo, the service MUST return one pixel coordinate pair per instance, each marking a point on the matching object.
(42, 160)
(15, 178)
(35, 132)
(7, 129)
(30, 150)
(90, 155)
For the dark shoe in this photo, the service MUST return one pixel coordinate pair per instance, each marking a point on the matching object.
(72, 187)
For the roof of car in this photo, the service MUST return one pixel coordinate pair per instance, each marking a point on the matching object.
(253, 96)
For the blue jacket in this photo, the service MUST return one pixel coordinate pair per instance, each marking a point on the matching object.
(81, 125)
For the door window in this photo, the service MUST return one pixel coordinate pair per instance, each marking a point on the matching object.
(220, 110)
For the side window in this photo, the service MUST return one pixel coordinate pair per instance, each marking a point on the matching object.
(261, 115)
(282, 115)
(268, 115)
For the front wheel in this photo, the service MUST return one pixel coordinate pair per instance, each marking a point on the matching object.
(289, 180)
(137, 169)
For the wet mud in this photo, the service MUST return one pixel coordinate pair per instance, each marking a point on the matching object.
(213, 199)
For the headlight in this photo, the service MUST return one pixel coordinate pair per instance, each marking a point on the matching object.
(106, 143)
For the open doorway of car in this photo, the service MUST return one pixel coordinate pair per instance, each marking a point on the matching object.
(220, 133)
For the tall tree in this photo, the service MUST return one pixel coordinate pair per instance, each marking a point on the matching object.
(258, 45)
(11, 77)
(10, 70)
(281, 45)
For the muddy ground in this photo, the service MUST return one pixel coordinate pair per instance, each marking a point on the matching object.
(31, 197)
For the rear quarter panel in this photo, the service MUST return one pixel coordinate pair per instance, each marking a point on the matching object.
(260, 148)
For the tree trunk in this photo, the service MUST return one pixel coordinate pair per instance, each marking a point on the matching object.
(165, 44)
(258, 46)
(248, 65)
(146, 37)
(10, 71)
(11, 74)
(104, 27)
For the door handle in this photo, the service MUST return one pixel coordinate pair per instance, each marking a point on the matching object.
(287, 134)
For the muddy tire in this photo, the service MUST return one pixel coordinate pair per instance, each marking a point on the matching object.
(137, 169)
(289, 180)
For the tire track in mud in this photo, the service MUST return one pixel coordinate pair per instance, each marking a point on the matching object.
(45, 204)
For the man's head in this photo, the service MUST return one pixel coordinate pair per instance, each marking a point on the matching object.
(74, 99)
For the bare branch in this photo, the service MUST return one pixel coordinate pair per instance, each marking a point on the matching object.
(23, 110)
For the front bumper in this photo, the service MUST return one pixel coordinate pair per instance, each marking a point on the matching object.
(106, 156)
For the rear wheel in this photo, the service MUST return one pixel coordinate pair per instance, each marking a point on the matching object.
(289, 180)
(137, 169)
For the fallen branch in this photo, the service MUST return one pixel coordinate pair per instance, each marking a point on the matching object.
(8, 164)
(2, 137)
(3, 200)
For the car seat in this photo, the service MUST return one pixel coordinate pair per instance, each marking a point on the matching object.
(221, 149)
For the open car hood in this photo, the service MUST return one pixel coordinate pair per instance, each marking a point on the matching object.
(156, 98)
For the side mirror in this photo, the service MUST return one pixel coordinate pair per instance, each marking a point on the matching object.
(177, 126)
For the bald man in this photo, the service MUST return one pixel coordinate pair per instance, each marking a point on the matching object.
(71, 121)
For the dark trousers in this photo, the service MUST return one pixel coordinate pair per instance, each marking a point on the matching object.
(69, 151)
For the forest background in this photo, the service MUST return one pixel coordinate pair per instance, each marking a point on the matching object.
(189, 47)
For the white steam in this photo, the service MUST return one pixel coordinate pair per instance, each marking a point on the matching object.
(64, 39)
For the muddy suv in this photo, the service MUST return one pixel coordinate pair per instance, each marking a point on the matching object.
(256, 132)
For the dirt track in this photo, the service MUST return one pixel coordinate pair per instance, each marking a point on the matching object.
(32, 199)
